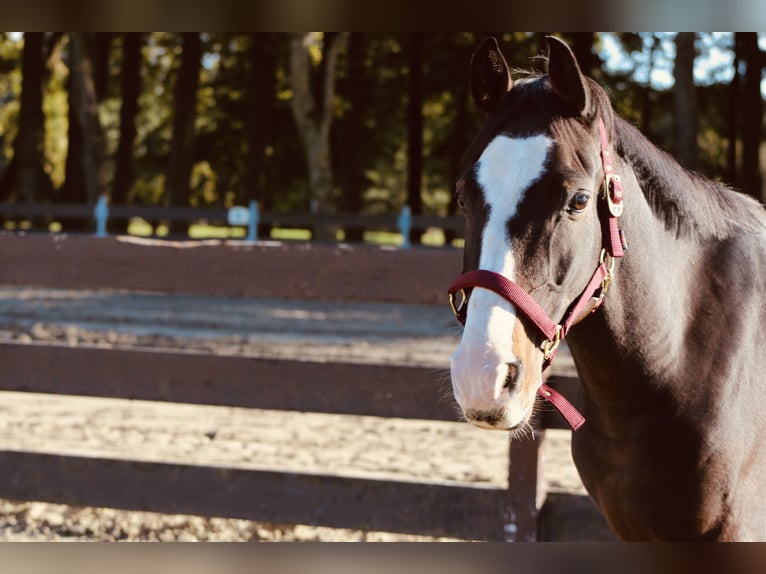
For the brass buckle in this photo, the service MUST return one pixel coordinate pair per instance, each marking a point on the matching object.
(549, 346)
(457, 308)
(614, 208)
(609, 272)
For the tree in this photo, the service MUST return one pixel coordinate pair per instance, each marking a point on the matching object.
(465, 123)
(101, 44)
(582, 46)
(286, 119)
(415, 131)
(752, 112)
(352, 179)
(685, 100)
(28, 175)
(130, 90)
(732, 117)
(182, 149)
(312, 106)
(647, 95)
(85, 154)
(260, 97)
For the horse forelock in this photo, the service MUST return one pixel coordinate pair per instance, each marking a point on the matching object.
(532, 107)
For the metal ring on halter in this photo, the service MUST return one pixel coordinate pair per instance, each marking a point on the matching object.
(457, 309)
(609, 271)
(549, 346)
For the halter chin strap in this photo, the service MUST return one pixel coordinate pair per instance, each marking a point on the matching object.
(590, 299)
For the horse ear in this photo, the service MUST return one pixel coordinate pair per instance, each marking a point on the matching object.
(566, 78)
(490, 77)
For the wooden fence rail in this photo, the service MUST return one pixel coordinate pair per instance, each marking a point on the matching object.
(253, 270)
(219, 216)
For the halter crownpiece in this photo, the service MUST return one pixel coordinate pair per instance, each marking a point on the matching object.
(613, 246)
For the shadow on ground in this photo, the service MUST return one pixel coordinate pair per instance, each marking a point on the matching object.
(572, 518)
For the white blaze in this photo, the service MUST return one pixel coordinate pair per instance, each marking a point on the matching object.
(505, 171)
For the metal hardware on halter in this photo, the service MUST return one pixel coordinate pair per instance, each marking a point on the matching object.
(606, 281)
(609, 272)
(613, 193)
(459, 308)
(549, 346)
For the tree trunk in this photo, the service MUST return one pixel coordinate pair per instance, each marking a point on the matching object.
(102, 47)
(646, 92)
(32, 182)
(73, 189)
(8, 179)
(85, 155)
(541, 42)
(313, 113)
(582, 46)
(130, 90)
(415, 132)
(461, 139)
(351, 168)
(261, 90)
(185, 101)
(752, 113)
(685, 100)
(35, 76)
(732, 121)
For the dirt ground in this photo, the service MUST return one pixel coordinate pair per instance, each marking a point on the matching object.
(426, 451)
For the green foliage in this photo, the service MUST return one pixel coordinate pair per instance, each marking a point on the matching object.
(222, 155)
(10, 89)
(56, 107)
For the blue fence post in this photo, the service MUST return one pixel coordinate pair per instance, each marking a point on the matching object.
(252, 222)
(101, 213)
(405, 225)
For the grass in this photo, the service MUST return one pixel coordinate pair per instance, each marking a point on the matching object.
(139, 227)
(432, 237)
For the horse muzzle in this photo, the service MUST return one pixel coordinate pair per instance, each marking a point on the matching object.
(495, 385)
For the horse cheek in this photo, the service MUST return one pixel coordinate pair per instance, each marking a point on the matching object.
(531, 358)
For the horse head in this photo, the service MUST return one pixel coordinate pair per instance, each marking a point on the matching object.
(530, 195)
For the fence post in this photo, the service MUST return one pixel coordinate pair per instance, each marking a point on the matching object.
(525, 488)
(405, 225)
(101, 213)
(252, 223)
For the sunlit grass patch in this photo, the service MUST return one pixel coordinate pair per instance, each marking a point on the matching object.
(433, 237)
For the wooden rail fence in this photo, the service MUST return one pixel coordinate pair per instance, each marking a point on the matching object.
(455, 225)
(262, 269)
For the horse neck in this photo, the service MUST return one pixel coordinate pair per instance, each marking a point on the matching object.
(637, 334)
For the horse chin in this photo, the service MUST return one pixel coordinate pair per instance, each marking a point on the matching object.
(509, 418)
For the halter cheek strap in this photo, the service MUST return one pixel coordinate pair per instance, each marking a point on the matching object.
(590, 299)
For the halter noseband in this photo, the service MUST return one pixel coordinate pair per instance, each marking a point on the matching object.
(589, 300)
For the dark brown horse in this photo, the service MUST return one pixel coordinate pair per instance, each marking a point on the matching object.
(672, 360)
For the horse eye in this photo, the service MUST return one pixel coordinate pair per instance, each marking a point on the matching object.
(579, 202)
(460, 203)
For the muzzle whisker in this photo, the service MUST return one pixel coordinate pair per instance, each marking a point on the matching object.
(526, 431)
(444, 387)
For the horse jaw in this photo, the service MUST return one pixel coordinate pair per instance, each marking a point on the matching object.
(496, 369)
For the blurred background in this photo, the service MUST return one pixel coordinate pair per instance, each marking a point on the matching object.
(326, 123)
(347, 129)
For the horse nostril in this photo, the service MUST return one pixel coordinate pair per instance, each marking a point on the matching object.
(514, 370)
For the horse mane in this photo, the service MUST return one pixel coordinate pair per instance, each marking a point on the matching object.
(686, 202)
